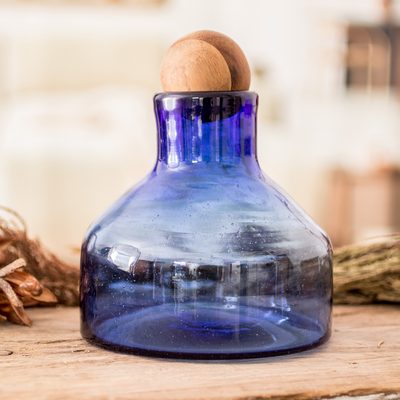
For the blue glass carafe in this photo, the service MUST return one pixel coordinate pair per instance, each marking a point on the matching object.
(206, 257)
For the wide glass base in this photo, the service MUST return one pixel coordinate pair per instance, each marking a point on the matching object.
(203, 331)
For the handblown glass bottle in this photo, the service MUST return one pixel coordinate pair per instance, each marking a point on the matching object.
(206, 257)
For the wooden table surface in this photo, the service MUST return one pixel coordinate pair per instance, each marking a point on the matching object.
(51, 361)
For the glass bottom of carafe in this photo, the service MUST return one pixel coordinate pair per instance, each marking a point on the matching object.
(207, 331)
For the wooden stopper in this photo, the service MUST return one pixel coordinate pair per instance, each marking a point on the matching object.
(205, 61)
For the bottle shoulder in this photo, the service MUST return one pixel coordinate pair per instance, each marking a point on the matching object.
(238, 216)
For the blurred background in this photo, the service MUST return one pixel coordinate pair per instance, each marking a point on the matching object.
(77, 129)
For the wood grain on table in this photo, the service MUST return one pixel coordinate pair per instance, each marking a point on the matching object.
(51, 361)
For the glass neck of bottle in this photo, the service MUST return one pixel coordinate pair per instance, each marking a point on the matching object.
(206, 129)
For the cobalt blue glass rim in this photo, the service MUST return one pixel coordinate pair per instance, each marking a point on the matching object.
(208, 106)
(207, 93)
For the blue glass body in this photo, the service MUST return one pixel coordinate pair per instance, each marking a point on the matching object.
(206, 257)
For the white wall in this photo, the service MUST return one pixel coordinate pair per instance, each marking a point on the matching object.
(76, 86)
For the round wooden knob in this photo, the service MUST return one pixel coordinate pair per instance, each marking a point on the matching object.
(205, 61)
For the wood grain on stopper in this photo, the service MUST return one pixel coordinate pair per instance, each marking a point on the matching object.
(205, 61)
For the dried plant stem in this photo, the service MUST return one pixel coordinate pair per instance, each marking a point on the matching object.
(12, 267)
(60, 278)
(10, 294)
(368, 272)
